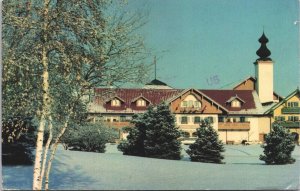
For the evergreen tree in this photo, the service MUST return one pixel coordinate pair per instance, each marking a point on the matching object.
(278, 147)
(134, 145)
(154, 135)
(207, 147)
(18, 141)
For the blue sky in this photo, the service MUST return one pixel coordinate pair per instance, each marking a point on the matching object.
(199, 40)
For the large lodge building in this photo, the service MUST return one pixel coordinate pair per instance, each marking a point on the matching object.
(244, 112)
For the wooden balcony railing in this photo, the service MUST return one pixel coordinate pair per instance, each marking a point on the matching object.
(288, 124)
(234, 126)
(188, 110)
(118, 124)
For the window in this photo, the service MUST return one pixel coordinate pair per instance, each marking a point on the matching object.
(242, 119)
(221, 119)
(197, 120)
(128, 118)
(293, 104)
(210, 119)
(197, 104)
(228, 120)
(194, 134)
(293, 118)
(190, 103)
(185, 134)
(115, 102)
(184, 120)
(141, 103)
(280, 118)
(122, 118)
(234, 120)
(235, 103)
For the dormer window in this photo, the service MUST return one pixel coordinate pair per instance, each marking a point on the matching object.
(141, 103)
(235, 103)
(115, 102)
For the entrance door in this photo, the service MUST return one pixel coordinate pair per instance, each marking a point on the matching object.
(262, 137)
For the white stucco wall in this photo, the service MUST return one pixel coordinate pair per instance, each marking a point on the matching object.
(264, 84)
(254, 130)
(264, 125)
(236, 136)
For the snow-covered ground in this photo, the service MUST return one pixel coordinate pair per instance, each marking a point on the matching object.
(112, 170)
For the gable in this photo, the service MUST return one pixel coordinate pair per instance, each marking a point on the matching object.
(206, 105)
(115, 98)
(248, 84)
(141, 98)
(293, 97)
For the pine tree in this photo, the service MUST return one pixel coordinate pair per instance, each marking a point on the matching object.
(161, 140)
(154, 135)
(278, 147)
(207, 147)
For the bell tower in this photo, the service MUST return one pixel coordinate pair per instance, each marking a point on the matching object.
(264, 71)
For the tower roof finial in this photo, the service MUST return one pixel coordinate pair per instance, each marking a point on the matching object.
(263, 52)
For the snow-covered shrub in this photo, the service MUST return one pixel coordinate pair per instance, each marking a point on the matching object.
(88, 137)
(154, 135)
(207, 147)
(278, 147)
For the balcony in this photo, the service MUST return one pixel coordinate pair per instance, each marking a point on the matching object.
(188, 109)
(234, 126)
(290, 110)
(118, 124)
(288, 124)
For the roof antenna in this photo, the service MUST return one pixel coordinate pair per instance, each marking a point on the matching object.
(155, 67)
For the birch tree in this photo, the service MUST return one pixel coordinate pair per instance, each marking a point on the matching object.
(55, 51)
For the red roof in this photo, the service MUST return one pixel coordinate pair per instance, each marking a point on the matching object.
(156, 96)
(222, 96)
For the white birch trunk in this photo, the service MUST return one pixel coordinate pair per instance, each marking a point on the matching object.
(40, 135)
(37, 182)
(54, 148)
(50, 125)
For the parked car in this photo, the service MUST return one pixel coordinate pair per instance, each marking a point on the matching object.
(252, 142)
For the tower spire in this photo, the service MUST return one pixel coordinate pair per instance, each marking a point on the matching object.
(263, 52)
